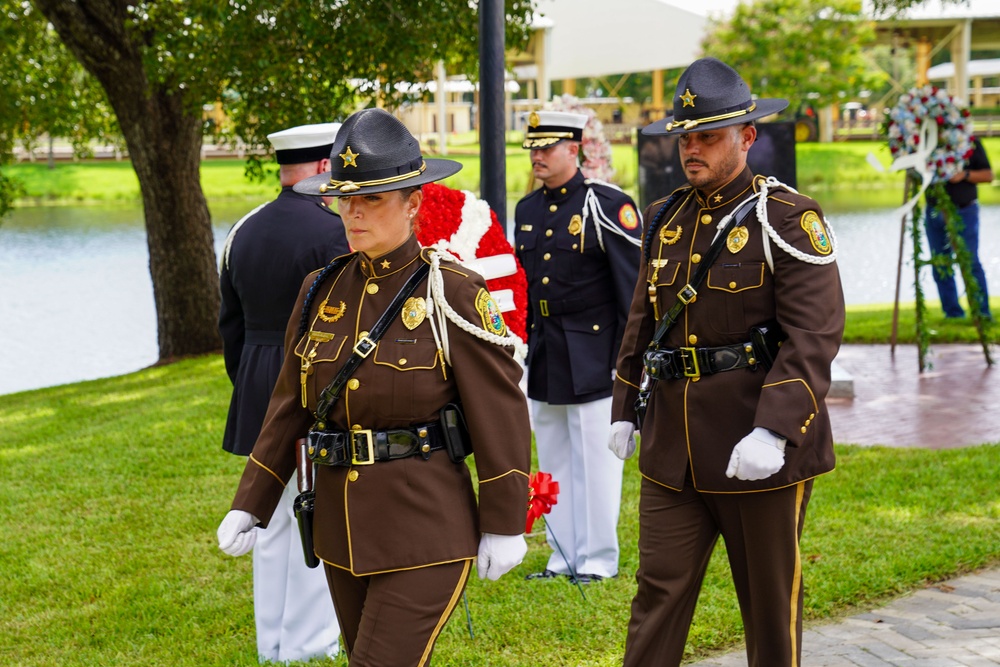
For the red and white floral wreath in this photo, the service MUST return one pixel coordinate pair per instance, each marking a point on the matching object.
(465, 226)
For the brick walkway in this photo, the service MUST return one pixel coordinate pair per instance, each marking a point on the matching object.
(954, 404)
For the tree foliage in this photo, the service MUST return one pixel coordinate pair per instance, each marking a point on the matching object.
(797, 49)
(156, 63)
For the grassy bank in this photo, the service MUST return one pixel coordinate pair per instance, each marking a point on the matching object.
(838, 173)
(113, 489)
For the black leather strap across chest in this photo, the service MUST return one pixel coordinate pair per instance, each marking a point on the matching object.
(328, 397)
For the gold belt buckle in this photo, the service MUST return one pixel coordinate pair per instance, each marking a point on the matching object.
(543, 305)
(362, 437)
(689, 359)
(364, 347)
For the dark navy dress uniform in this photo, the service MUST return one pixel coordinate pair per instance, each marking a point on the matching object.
(267, 256)
(579, 291)
(579, 246)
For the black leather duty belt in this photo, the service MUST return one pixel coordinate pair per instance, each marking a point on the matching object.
(692, 362)
(365, 446)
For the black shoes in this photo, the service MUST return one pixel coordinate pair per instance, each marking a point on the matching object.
(545, 575)
(582, 579)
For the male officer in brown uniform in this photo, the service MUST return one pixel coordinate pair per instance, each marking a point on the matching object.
(735, 428)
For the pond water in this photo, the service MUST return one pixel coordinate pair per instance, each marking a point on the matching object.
(76, 299)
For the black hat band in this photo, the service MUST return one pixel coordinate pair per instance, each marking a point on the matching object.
(301, 155)
(695, 122)
(353, 186)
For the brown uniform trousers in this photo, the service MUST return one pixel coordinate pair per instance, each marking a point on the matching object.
(397, 537)
(693, 423)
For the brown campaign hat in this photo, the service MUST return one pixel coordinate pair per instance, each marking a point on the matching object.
(710, 94)
(374, 152)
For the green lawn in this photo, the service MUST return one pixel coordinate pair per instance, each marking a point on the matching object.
(113, 489)
(838, 171)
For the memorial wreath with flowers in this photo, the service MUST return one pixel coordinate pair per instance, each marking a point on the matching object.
(930, 136)
(954, 130)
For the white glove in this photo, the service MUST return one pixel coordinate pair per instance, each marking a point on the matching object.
(622, 441)
(758, 455)
(499, 554)
(237, 533)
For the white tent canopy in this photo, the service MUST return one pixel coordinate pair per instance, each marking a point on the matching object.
(592, 38)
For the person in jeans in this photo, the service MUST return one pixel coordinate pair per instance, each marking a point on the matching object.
(961, 188)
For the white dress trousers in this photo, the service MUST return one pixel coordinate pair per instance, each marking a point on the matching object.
(292, 603)
(572, 446)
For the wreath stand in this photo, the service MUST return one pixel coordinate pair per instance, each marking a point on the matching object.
(953, 227)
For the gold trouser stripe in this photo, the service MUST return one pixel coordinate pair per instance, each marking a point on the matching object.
(793, 604)
(447, 613)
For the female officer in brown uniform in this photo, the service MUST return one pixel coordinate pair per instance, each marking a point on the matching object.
(396, 521)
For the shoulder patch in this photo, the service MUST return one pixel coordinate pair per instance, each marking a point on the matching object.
(816, 231)
(490, 313)
(627, 217)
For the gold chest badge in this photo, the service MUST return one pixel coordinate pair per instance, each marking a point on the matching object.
(575, 225)
(737, 239)
(414, 312)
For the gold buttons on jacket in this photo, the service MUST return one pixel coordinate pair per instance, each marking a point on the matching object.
(575, 246)
(545, 280)
(597, 327)
(732, 284)
(562, 191)
(705, 219)
(548, 232)
(372, 288)
(353, 475)
(353, 383)
(402, 362)
(547, 256)
(695, 258)
(553, 208)
(692, 340)
(803, 429)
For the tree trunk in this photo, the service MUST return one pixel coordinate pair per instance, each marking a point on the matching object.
(163, 133)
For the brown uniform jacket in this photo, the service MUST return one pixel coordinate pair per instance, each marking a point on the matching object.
(701, 420)
(409, 512)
